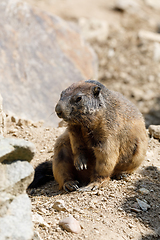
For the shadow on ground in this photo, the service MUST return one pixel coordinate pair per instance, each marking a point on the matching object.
(50, 189)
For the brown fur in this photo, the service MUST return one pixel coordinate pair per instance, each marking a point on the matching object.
(105, 136)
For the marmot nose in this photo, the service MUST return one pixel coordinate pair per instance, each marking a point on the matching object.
(58, 110)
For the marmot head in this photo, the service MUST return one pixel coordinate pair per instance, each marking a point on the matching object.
(80, 101)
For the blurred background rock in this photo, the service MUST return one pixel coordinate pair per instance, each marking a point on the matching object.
(48, 44)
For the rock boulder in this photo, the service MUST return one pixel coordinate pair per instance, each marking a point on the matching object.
(41, 55)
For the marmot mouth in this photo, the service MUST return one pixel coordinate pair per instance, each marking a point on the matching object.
(61, 115)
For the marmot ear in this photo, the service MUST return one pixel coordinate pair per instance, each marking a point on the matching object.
(96, 91)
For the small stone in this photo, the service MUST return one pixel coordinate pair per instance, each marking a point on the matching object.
(20, 122)
(70, 224)
(120, 209)
(143, 205)
(135, 210)
(41, 151)
(143, 34)
(125, 5)
(37, 218)
(111, 53)
(154, 131)
(35, 125)
(59, 205)
(50, 151)
(99, 193)
(94, 29)
(143, 191)
(130, 225)
(111, 195)
(11, 131)
(156, 52)
(151, 78)
(13, 119)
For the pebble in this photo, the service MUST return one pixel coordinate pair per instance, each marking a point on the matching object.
(50, 151)
(12, 131)
(59, 205)
(124, 5)
(70, 224)
(131, 187)
(135, 210)
(94, 29)
(151, 78)
(147, 35)
(154, 131)
(13, 119)
(111, 195)
(41, 151)
(120, 209)
(39, 219)
(130, 225)
(143, 191)
(156, 54)
(99, 193)
(143, 205)
(111, 53)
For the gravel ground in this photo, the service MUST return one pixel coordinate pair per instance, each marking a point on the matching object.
(111, 212)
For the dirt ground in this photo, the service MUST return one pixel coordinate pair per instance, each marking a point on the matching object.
(127, 65)
(111, 212)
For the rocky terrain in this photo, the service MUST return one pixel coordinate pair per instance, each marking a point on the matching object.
(128, 208)
(125, 36)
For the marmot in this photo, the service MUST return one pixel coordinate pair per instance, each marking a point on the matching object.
(105, 136)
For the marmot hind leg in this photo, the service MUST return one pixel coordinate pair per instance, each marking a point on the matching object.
(64, 171)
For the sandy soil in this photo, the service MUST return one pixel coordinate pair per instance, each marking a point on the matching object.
(126, 64)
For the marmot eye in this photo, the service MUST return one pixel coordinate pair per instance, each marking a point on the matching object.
(78, 99)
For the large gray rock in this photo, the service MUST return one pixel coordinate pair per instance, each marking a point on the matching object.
(16, 224)
(154, 131)
(5, 149)
(40, 56)
(16, 149)
(15, 206)
(15, 177)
